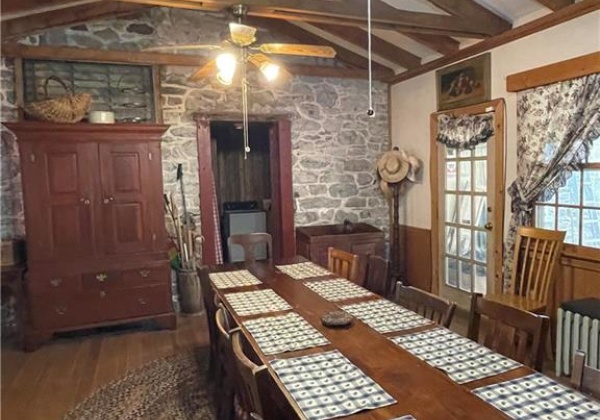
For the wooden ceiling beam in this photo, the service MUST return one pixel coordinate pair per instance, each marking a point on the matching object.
(442, 44)
(468, 9)
(307, 37)
(555, 4)
(15, 9)
(346, 13)
(91, 55)
(379, 46)
(17, 28)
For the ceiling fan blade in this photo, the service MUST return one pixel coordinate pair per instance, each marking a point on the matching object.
(298, 49)
(260, 60)
(242, 35)
(184, 47)
(206, 70)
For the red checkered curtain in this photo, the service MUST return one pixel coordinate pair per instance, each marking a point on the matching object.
(218, 244)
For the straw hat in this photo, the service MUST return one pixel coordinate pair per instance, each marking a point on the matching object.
(392, 166)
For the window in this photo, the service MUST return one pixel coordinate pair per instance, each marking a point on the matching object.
(576, 206)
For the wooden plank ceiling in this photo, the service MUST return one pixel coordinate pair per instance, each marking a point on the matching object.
(406, 34)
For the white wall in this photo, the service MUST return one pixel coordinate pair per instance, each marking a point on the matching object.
(413, 101)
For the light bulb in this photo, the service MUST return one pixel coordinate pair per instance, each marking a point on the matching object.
(270, 71)
(226, 62)
(225, 78)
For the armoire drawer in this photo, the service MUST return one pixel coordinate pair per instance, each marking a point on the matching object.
(54, 284)
(126, 279)
(136, 302)
(60, 311)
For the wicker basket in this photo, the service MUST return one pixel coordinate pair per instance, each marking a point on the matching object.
(70, 108)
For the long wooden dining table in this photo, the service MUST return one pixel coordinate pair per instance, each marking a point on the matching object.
(419, 389)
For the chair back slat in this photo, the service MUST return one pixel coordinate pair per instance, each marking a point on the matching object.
(510, 331)
(248, 372)
(585, 378)
(426, 304)
(344, 264)
(537, 252)
(208, 296)
(249, 242)
(378, 280)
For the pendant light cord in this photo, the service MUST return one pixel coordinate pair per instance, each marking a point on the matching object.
(370, 111)
(245, 107)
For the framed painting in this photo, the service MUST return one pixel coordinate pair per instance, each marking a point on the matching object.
(464, 83)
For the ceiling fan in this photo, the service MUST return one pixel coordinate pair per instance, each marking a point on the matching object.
(240, 47)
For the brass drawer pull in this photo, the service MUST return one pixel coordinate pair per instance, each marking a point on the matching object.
(142, 301)
(61, 310)
(102, 294)
(144, 273)
(101, 277)
(56, 282)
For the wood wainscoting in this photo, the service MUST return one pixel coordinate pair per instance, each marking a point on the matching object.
(415, 256)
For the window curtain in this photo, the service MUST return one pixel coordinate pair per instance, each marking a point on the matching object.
(556, 125)
(465, 131)
(218, 245)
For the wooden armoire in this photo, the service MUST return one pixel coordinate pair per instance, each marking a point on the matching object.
(96, 240)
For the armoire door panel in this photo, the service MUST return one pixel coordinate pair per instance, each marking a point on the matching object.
(126, 192)
(58, 189)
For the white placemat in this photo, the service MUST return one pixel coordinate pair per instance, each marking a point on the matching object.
(229, 279)
(305, 270)
(384, 316)
(256, 302)
(337, 289)
(289, 332)
(328, 385)
(462, 359)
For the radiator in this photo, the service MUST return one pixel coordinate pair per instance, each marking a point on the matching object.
(576, 332)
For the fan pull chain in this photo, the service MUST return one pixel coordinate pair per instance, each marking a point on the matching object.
(370, 111)
(245, 108)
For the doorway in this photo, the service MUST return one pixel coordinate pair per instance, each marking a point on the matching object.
(468, 211)
(263, 182)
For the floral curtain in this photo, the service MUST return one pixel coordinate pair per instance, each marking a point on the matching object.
(465, 131)
(556, 125)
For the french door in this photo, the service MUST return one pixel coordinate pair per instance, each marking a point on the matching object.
(467, 209)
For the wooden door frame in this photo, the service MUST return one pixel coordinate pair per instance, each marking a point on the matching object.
(281, 180)
(498, 107)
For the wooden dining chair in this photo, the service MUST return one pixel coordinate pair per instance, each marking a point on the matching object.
(585, 378)
(249, 242)
(378, 280)
(430, 306)
(248, 373)
(227, 386)
(537, 252)
(208, 296)
(510, 331)
(344, 264)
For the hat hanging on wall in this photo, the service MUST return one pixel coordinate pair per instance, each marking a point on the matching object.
(392, 167)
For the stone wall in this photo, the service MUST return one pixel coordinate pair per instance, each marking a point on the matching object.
(335, 144)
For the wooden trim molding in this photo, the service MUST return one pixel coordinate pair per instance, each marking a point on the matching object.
(553, 73)
(568, 13)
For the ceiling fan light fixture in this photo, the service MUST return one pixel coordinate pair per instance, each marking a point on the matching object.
(226, 63)
(270, 71)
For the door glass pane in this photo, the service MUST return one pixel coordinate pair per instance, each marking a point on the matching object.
(591, 227)
(466, 271)
(569, 194)
(481, 246)
(591, 186)
(480, 285)
(451, 272)
(464, 176)
(465, 209)
(594, 156)
(464, 243)
(480, 176)
(450, 153)
(451, 213)
(568, 220)
(451, 176)
(465, 153)
(481, 149)
(480, 210)
(451, 240)
(545, 217)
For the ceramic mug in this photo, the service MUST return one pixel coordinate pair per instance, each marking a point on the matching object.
(102, 117)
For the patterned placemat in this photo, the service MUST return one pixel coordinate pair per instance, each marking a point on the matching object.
(384, 316)
(328, 385)
(256, 302)
(537, 397)
(290, 332)
(303, 270)
(337, 289)
(462, 359)
(229, 279)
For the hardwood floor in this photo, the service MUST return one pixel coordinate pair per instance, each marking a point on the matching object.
(47, 383)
